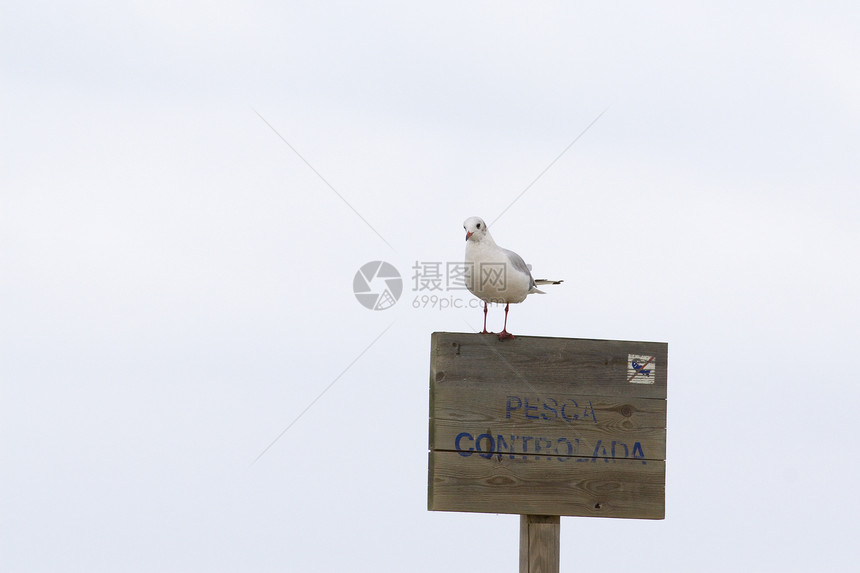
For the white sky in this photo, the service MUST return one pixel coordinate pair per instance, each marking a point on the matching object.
(176, 283)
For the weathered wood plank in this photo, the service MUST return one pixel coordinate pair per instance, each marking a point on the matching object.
(592, 442)
(527, 420)
(578, 486)
(593, 367)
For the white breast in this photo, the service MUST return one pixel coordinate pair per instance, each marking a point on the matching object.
(491, 277)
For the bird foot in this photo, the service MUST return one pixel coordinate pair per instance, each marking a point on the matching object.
(485, 331)
(505, 335)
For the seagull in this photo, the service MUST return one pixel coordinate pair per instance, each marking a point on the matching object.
(494, 274)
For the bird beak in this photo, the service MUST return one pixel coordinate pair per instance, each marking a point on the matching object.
(468, 234)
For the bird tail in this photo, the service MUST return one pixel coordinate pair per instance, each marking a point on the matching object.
(547, 282)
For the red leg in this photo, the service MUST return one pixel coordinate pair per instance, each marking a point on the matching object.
(485, 320)
(504, 333)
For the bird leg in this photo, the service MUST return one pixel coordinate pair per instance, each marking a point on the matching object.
(485, 320)
(504, 333)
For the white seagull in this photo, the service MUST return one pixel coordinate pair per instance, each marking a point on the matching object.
(494, 274)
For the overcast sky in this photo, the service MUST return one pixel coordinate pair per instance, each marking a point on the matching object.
(189, 189)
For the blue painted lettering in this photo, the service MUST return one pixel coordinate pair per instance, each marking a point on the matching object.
(549, 408)
(461, 451)
(542, 444)
(527, 408)
(510, 407)
(590, 409)
(488, 453)
(563, 449)
(501, 443)
(525, 440)
(564, 415)
(569, 448)
(599, 451)
(638, 454)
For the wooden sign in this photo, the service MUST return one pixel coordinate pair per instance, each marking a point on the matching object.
(547, 426)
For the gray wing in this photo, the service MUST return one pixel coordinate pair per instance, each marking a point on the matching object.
(518, 263)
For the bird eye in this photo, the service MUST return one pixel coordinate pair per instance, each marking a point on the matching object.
(478, 225)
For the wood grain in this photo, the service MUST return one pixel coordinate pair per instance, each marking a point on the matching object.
(505, 409)
(600, 488)
(593, 367)
(540, 544)
(547, 426)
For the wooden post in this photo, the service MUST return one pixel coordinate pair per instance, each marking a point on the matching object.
(545, 427)
(540, 543)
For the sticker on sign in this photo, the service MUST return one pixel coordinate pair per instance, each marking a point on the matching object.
(641, 369)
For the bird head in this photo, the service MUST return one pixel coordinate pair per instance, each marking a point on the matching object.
(476, 229)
